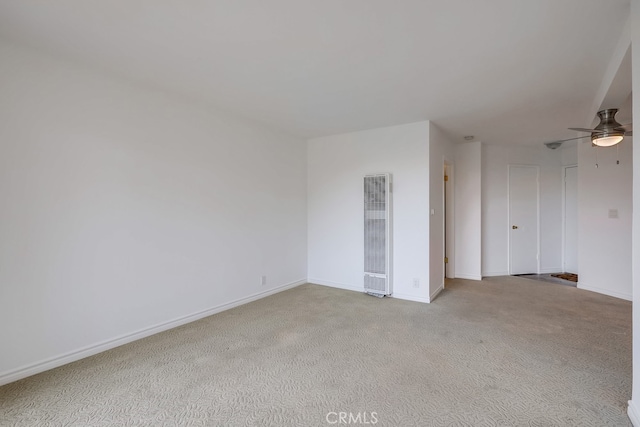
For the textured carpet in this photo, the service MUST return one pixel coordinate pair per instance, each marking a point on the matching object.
(548, 278)
(502, 352)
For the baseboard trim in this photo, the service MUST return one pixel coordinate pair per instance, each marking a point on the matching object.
(435, 293)
(409, 297)
(495, 273)
(603, 291)
(316, 281)
(468, 276)
(633, 414)
(72, 356)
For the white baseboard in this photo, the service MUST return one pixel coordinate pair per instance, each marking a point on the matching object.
(468, 276)
(608, 292)
(551, 270)
(54, 362)
(495, 273)
(435, 293)
(409, 297)
(634, 414)
(316, 281)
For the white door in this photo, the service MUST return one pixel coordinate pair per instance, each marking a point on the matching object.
(571, 219)
(523, 219)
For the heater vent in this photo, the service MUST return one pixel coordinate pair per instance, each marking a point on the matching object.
(377, 234)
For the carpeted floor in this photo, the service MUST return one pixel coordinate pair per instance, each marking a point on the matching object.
(506, 351)
(550, 278)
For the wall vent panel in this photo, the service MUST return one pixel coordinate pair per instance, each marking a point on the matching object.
(377, 234)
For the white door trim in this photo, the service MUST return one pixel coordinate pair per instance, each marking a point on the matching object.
(449, 222)
(537, 168)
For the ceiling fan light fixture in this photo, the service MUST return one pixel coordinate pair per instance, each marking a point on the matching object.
(606, 140)
(608, 131)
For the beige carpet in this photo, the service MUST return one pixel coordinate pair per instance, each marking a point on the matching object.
(502, 352)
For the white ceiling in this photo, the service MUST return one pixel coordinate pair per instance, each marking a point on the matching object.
(506, 71)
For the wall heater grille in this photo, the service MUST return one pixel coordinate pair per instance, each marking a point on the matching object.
(377, 234)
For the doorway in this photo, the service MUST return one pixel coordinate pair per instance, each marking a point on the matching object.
(524, 236)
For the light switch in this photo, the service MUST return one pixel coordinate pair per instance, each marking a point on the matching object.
(433, 211)
(613, 213)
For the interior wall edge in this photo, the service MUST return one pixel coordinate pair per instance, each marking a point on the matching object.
(75, 355)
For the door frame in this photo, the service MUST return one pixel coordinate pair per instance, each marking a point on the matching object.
(564, 213)
(448, 219)
(509, 223)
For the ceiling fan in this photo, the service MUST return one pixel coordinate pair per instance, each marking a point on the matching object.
(607, 134)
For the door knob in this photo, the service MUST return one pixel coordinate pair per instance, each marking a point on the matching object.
(515, 227)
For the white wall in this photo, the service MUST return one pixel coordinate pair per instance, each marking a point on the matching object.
(124, 209)
(569, 152)
(468, 214)
(495, 226)
(604, 252)
(634, 403)
(336, 167)
(441, 150)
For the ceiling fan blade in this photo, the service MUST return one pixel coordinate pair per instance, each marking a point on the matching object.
(585, 130)
(626, 127)
(607, 127)
(570, 139)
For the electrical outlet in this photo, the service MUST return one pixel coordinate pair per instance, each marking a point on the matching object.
(263, 280)
(416, 282)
